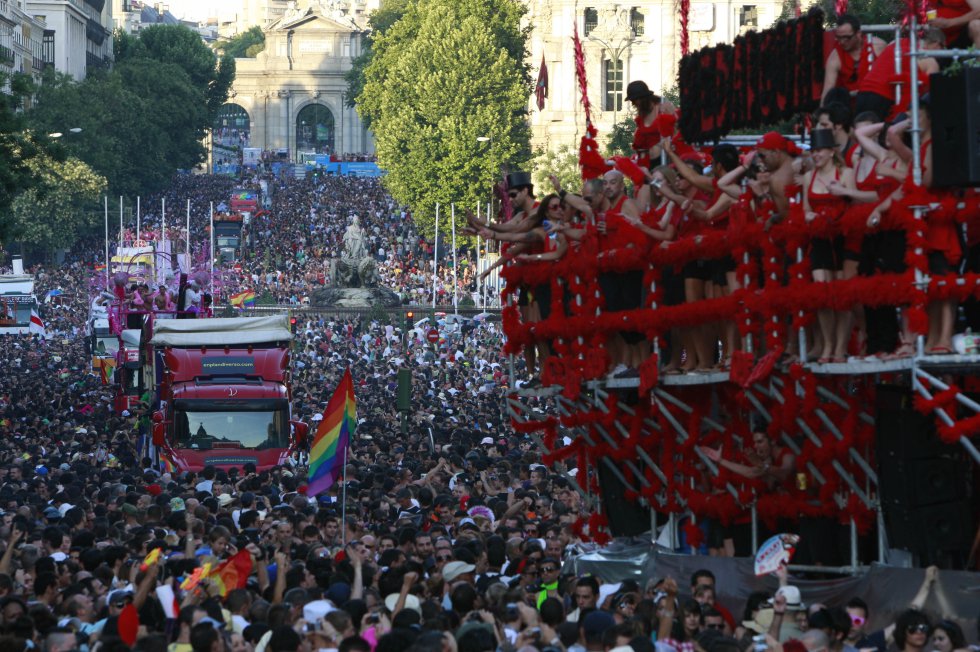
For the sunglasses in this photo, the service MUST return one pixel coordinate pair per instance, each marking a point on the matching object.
(718, 626)
(512, 194)
(554, 207)
(444, 557)
(921, 628)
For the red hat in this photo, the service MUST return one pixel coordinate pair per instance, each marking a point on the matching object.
(777, 142)
(153, 489)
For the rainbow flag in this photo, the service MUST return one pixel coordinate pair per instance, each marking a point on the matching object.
(232, 574)
(244, 299)
(332, 436)
(168, 466)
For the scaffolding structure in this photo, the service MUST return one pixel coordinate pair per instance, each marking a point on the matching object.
(647, 432)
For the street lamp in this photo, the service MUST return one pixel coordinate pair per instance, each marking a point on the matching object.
(58, 134)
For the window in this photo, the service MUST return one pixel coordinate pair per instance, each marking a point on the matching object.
(748, 17)
(636, 21)
(591, 19)
(206, 424)
(613, 74)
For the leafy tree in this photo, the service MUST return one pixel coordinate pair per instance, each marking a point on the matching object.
(58, 210)
(563, 163)
(379, 22)
(620, 141)
(176, 44)
(17, 147)
(448, 72)
(247, 44)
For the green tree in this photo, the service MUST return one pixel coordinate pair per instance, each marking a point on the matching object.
(563, 163)
(247, 44)
(620, 141)
(17, 147)
(176, 44)
(60, 208)
(448, 72)
(379, 22)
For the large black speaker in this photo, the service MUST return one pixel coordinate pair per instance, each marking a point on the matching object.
(923, 483)
(627, 518)
(955, 115)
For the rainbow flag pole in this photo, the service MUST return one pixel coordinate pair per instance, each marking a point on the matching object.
(328, 454)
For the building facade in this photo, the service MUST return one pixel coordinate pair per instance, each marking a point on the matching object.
(622, 42)
(292, 98)
(25, 42)
(77, 35)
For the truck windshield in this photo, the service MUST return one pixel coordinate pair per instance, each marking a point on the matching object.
(203, 424)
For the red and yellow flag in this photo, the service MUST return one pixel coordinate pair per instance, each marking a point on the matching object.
(232, 574)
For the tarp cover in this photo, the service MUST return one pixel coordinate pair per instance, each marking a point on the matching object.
(232, 331)
(889, 590)
(131, 337)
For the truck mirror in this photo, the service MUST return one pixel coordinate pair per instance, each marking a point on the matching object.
(158, 428)
(300, 429)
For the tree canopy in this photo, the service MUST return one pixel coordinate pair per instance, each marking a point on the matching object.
(445, 74)
(147, 117)
(17, 146)
(247, 44)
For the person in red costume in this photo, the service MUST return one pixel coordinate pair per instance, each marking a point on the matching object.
(851, 58)
(822, 204)
(655, 119)
(959, 20)
(876, 92)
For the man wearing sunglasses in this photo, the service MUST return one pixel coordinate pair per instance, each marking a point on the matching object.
(851, 57)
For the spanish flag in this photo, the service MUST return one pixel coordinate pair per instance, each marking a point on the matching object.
(332, 436)
(232, 574)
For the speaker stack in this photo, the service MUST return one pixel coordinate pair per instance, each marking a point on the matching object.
(924, 484)
(955, 119)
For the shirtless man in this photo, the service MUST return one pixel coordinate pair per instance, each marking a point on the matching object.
(776, 152)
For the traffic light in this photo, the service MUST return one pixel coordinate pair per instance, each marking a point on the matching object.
(292, 325)
(409, 321)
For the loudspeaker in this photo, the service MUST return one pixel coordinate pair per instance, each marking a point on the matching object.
(902, 432)
(627, 518)
(935, 528)
(955, 116)
(923, 483)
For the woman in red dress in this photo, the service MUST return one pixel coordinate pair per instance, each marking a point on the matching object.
(827, 253)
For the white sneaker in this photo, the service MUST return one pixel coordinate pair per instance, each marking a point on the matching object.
(620, 368)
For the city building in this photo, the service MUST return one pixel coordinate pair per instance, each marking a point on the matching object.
(292, 98)
(622, 42)
(77, 34)
(25, 42)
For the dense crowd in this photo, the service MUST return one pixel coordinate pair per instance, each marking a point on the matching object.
(447, 532)
(453, 536)
(289, 249)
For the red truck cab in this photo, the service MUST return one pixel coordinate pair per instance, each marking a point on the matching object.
(224, 392)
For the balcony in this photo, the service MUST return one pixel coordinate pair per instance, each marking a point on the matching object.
(95, 62)
(95, 31)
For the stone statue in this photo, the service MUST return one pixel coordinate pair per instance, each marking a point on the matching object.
(354, 276)
(354, 249)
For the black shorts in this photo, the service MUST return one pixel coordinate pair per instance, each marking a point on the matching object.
(542, 297)
(673, 287)
(622, 291)
(938, 264)
(698, 269)
(720, 269)
(890, 252)
(868, 101)
(827, 254)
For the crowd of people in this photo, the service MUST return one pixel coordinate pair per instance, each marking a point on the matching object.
(290, 249)
(453, 536)
(447, 531)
